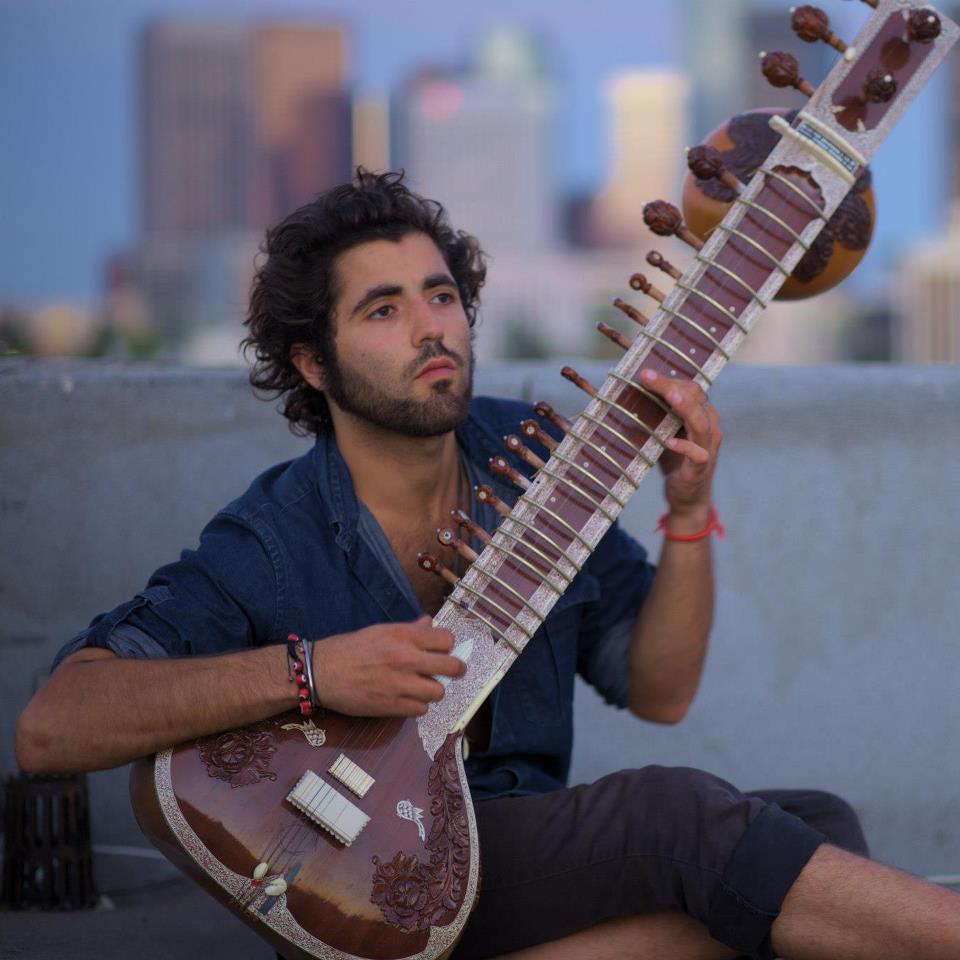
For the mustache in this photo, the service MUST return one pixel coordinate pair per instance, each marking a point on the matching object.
(433, 351)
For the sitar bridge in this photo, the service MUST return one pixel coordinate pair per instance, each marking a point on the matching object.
(350, 775)
(328, 808)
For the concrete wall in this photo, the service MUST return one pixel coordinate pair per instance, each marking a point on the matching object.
(834, 661)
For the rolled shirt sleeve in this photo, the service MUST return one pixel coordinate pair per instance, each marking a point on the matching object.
(603, 652)
(222, 596)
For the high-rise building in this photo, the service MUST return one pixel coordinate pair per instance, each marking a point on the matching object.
(480, 142)
(240, 125)
(300, 117)
(927, 298)
(648, 132)
(195, 132)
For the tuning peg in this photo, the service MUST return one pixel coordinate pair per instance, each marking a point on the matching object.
(811, 24)
(665, 220)
(614, 335)
(447, 538)
(657, 260)
(514, 444)
(706, 163)
(568, 373)
(923, 26)
(640, 283)
(485, 494)
(782, 70)
(534, 431)
(632, 312)
(543, 409)
(502, 468)
(428, 562)
(462, 519)
(879, 87)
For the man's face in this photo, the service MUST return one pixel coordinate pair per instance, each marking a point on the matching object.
(402, 357)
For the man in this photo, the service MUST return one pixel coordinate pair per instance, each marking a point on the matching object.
(361, 320)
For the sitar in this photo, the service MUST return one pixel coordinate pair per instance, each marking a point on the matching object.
(336, 837)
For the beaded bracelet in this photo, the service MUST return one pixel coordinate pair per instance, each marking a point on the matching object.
(713, 526)
(301, 672)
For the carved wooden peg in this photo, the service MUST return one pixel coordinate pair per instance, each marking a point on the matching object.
(640, 283)
(657, 260)
(811, 24)
(485, 494)
(632, 312)
(706, 163)
(879, 87)
(533, 430)
(428, 562)
(447, 538)
(665, 220)
(614, 335)
(923, 26)
(568, 373)
(782, 70)
(462, 519)
(501, 467)
(543, 409)
(515, 444)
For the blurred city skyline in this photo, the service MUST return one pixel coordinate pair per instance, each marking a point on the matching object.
(77, 181)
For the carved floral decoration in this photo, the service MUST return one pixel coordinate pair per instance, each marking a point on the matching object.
(413, 894)
(241, 757)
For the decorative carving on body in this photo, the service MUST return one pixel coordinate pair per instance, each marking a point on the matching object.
(241, 757)
(414, 895)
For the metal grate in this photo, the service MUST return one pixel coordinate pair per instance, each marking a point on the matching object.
(47, 862)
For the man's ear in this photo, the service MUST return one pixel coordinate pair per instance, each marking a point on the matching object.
(305, 360)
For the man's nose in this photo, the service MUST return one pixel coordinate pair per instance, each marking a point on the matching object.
(427, 324)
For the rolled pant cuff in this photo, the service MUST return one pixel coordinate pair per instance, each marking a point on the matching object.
(763, 868)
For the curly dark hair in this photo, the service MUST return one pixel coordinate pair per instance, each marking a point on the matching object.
(295, 287)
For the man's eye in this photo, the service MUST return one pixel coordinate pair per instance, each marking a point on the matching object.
(445, 297)
(381, 313)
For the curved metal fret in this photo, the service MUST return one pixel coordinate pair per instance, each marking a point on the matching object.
(787, 182)
(626, 381)
(543, 578)
(553, 543)
(597, 504)
(734, 232)
(493, 603)
(593, 479)
(493, 629)
(743, 283)
(516, 593)
(556, 516)
(696, 326)
(603, 453)
(628, 442)
(705, 296)
(778, 220)
(677, 351)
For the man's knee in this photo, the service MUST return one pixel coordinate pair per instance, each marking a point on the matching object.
(830, 814)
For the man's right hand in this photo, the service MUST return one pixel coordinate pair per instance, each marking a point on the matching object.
(386, 670)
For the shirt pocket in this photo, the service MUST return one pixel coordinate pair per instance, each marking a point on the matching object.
(549, 663)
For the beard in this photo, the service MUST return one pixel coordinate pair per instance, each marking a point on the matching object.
(367, 398)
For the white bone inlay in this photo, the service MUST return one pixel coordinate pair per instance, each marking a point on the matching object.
(261, 871)
(328, 808)
(462, 652)
(407, 811)
(276, 888)
(350, 775)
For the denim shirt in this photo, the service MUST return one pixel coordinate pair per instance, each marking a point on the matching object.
(298, 552)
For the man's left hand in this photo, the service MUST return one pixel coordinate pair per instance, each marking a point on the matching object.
(691, 457)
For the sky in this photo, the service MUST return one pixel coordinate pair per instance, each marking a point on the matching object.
(68, 154)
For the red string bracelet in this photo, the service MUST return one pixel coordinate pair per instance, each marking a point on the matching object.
(298, 674)
(713, 526)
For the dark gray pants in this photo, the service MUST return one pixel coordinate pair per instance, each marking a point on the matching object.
(644, 840)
